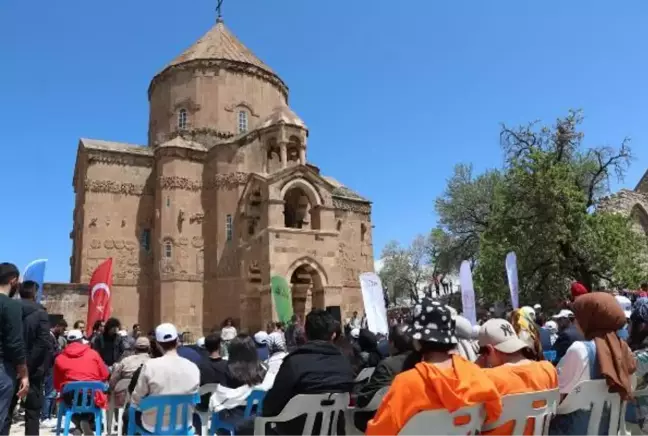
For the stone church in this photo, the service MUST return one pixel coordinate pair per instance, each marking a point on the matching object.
(220, 199)
(631, 202)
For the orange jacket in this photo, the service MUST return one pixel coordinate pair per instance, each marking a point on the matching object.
(427, 387)
(521, 379)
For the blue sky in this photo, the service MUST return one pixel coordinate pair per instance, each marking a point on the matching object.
(394, 93)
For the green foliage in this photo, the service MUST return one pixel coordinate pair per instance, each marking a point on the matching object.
(542, 205)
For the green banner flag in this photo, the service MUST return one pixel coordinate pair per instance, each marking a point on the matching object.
(282, 295)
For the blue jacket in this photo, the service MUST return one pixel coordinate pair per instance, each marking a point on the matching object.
(564, 341)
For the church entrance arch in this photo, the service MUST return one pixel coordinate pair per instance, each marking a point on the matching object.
(307, 284)
(640, 217)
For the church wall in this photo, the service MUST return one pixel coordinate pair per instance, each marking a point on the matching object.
(211, 97)
(179, 190)
(117, 209)
(354, 256)
(228, 284)
(176, 92)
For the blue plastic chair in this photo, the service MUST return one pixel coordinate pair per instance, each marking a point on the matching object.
(83, 402)
(185, 403)
(550, 355)
(254, 399)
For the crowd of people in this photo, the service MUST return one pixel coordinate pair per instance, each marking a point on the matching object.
(433, 358)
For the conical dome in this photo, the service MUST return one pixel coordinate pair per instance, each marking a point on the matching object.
(220, 43)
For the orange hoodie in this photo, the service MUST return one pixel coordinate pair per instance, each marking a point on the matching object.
(427, 387)
(521, 379)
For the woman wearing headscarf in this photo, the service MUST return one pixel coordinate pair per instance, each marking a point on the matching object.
(601, 356)
(523, 322)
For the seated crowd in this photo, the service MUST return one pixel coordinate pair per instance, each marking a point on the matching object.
(435, 361)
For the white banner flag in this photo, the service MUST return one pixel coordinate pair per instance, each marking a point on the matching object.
(467, 292)
(512, 274)
(374, 302)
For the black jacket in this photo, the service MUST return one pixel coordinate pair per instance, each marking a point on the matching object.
(37, 337)
(211, 371)
(12, 343)
(564, 340)
(110, 348)
(314, 368)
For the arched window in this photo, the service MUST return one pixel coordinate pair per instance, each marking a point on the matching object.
(182, 119)
(168, 249)
(242, 121)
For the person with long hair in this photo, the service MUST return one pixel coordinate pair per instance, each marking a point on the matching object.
(110, 345)
(245, 372)
(602, 355)
(227, 334)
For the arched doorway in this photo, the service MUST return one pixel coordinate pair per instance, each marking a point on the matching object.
(301, 203)
(640, 217)
(307, 290)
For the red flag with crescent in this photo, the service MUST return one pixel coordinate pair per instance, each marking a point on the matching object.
(99, 297)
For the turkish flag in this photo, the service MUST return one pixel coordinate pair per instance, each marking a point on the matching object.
(99, 297)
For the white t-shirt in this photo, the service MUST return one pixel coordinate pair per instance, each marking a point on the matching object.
(166, 375)
(573, 368)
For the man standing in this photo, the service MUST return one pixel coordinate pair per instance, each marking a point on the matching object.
(36, 337)
(12, 345)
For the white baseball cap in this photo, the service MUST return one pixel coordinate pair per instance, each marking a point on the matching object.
(537, 306)
(565, 313)
(501, 335)
(201, 342)
(74, 335)
(625, 304)
(355, 333)
(166, 332)
(261, 337)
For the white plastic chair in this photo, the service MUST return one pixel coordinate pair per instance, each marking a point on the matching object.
(373, 405)
(122, 385)
(519, 408)
(443, 422)
(593, 395)
(330, 406)
(365, 374)
(209, 388)
(631, 428)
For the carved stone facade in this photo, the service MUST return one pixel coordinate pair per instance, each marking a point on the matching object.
(220, 200)
(633, 203)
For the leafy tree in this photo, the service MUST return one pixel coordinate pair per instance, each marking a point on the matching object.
(464, 212)
(542, 205)
(405, 270)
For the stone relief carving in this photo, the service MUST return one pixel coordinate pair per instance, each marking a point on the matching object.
(228, 181)
(200, 262)
(95, 243)
(182, 153)
(183, 241)
(113, 187)
(197, 218)
(352, 206)
(242, 103)
(117, 158)
(197, 242)
(179, 183)
(183, 261)
(93, 222)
